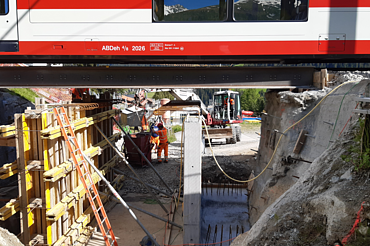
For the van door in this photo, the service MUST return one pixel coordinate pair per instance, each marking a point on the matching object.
(8, 26)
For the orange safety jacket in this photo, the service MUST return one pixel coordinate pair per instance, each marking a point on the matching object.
(144, 123)
(162, 135)
(232, 101)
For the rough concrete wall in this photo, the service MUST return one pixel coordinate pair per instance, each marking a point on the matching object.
(284, 109)
(10, 105)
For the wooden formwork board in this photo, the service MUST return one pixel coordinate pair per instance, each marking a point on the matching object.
(46, 177)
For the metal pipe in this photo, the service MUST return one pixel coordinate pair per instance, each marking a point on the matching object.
(151, 186)
(142, 210)
(128, 164)
(142, 154)
(119, 198)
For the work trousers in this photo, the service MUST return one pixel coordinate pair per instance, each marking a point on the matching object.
(162, 146)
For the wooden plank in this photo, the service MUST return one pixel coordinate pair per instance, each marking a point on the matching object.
(8, 166)
(59, 209)
(76, 229)
(300, 142)
(7, 128)
(61, 170)
(54, 132)
(40, 149)
(217, 133)
(21, 159)
(9, 209)
(34, 155)
(85, 236)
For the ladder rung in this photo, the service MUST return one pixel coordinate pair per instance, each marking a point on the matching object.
(103, 220)
(112, 242)
(94, 197)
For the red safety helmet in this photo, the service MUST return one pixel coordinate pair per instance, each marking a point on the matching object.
(160, 125)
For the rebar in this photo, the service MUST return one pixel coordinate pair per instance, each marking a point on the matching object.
(132, 169)
(215, 235)
(208, 233)
(142, 155)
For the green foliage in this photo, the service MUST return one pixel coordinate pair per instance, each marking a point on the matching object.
(250, 127)
(252, 99)
(359, 239)
(177, 128)
(205, 94)
(171, 136)
(359, 152)
(150, 201)
(150, 94)
(25, 93)
(162, 94)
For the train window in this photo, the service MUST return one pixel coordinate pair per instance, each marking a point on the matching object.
(4, 9)
(189, 10)
(270, 10)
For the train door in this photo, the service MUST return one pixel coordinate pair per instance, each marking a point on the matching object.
(8, 26)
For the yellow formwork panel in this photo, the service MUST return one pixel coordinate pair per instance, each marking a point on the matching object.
(77, 228)
(67, 202)
(63, 169)
(54, 132)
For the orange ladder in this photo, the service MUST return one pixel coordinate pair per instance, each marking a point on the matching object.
(83, 172)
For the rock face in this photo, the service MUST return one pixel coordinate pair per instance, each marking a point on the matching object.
(10, 105)
(307, 203)
(8, 239)
(315, 210)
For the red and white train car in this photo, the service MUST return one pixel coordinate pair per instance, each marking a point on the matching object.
(184, 30)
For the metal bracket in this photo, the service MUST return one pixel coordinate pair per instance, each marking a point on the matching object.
(36, 203)
(35, 165)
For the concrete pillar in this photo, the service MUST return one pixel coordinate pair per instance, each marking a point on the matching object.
(192, 180)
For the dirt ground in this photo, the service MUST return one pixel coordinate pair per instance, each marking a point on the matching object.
(233, 158)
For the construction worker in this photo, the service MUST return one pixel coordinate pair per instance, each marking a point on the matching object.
(144, 124)
(154, 139)
(163, 143)
(232, 104)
